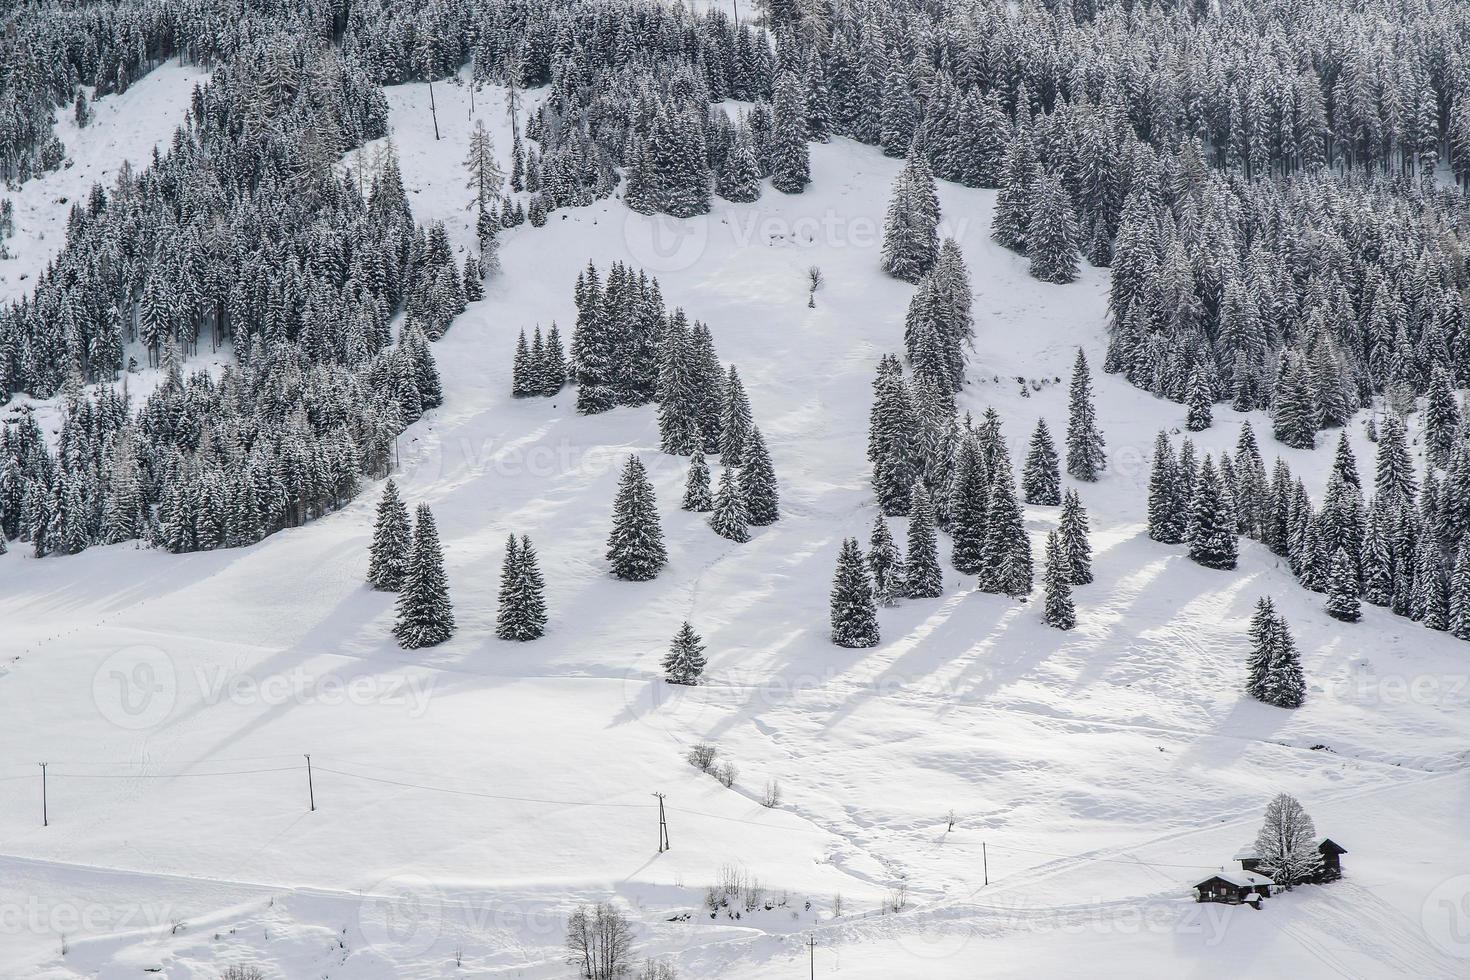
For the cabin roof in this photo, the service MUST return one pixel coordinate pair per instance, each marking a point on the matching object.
(1240, 879)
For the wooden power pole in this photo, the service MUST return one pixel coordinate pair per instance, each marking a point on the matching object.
(310, 789)
(663, 826)
(45, 816)
(811, 949)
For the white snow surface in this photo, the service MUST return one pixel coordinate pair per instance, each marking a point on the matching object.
(469, 797)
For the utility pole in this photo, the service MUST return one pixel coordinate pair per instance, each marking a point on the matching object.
(433, 111)
(45, 816)
(310, 789)
(985, 862)
(735, 6)
(663, 826)
(811, 949)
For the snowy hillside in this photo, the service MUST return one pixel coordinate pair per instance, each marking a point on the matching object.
(469, 797)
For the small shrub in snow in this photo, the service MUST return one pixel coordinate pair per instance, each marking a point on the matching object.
(726, 773)
(771, 796)
(702, 756)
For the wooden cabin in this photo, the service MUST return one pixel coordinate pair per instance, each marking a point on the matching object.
(1234, 888)
(1331, 852)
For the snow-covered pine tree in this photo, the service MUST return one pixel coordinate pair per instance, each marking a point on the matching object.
(1073, 533)
(1201, 400)
(474, 286)
(1342, 588)
(736, 424)
(1051, 232)
(923, 578)
(1211, 532)
(522, 609)
(1006, 565)
(1167, 517)
(522, 369)
(1460, 594)
(635, 548)
(1441, 418)
(696, 487)
(854, 615)
(885, 564)
(425, 613)
(1085, 455)
(740, 180)
(1395, 473)
(1058, 612)
(1042, 480)
(910, 233)
(1019, 179)
(685, 661)
(392, 542)
(554, 368)
(729, 519)
(758, 482)
(790, 161)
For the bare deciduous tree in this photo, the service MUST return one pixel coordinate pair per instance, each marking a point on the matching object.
(600, 942)
(702, 756)
(771, 797)
(1287, 842)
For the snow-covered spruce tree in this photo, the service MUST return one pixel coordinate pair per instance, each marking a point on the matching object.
(522, 610)
(1342, 588)
(1085, 455)
(684, 663)
(1042, 480)
(1395, 479)
(474, 285)
(1460, 594)
(1274, 667)
(923, 578)
(696, 487)
(1211, 532)
(1297, 416)
(635, 548)
(736, 421)
(790, 160)
(1441, 418)
(1287, 843)
(911, 232)
(940, 325)
(885, 564)
(1073, 532)
(1016, 202)
(758, 482)
(729, 519)
(1167, 511)
(854, 615)
(740, 180)
(680, 399)
(554, 368)
(1058, 613)
(392, 542)
(425, 614)
(1051, 233)
(521, 369)
(1006, 566)
(895, 440)
(1377, 564)
(1201, 401)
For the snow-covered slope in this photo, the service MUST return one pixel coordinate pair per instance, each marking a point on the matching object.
(124, 128)
(468, 797)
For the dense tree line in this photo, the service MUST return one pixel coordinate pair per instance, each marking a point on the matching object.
(1386, 541)
(242, 234)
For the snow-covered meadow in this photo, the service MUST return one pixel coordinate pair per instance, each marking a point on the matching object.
(470, 796)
